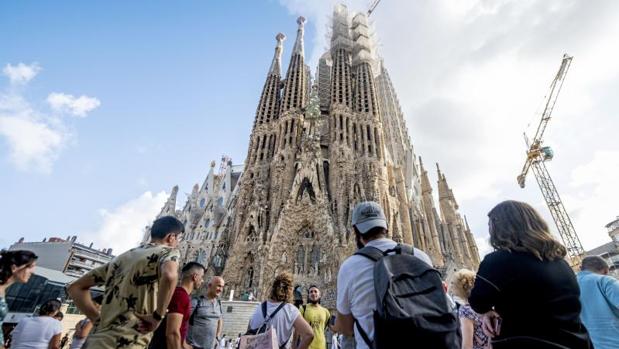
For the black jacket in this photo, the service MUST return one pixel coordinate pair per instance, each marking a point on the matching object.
(537, 301)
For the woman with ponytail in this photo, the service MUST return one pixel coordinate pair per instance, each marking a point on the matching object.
(279, 313)
(15, 266)
(473, 336)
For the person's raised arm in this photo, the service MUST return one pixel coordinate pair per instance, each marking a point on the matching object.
(167, 283)
(54, 342)
(83, 330)
(79, 291)
(173, 331)
(305, 332)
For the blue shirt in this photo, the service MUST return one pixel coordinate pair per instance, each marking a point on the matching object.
(598, 293)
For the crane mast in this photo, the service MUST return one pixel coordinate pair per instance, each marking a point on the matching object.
(373, 7)
(537, 155)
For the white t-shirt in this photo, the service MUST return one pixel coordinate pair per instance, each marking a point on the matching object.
(282, 321)
(35, 332)
(355, 288)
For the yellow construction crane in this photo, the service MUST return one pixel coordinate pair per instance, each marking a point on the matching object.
(537, 155)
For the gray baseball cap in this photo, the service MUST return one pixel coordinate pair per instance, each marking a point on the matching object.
(368, 215)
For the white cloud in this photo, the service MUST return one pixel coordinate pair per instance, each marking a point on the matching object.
(483, 246)
(472, 74)
(21, 73)
(122, 227)
(34, 137)
(34, 140)
(79, 106)
(594, 196)
(34, 144)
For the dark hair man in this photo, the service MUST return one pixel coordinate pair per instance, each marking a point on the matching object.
(138, 287)
(317, 316)
(171, 334)
(599, 297)
(355, 279)
(205, 323)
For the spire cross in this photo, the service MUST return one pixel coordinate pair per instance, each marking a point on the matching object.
(277, 57)
(298, 45)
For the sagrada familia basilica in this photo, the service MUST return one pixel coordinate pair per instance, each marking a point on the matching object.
(318, 147)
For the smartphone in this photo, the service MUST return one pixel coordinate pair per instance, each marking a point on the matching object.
(497, 326)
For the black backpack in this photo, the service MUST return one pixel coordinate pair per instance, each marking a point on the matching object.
(411, 305)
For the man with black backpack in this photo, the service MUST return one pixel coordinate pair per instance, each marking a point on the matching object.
(388, 294)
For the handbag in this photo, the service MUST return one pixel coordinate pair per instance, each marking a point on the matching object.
(260, 335)
(264, 340)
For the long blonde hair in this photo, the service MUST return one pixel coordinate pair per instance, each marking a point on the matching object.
(462, 283)
(516, 226)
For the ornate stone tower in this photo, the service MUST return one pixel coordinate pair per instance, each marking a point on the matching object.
(318, 149)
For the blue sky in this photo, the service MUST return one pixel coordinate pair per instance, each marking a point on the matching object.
(111, 103)
(177, 84)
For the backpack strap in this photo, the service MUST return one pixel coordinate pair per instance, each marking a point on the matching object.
(363, 334)
(406, 249)
(279, 307)
(371, 253)
(263, 306)
(195, 311)
(268, 318)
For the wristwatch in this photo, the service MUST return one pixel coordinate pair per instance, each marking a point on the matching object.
(157, 316)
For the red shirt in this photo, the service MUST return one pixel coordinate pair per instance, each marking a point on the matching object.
(179, 304)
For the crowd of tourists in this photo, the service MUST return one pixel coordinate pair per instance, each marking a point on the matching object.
(524, 295)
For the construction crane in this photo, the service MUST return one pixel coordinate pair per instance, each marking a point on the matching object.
(537, 155)
(373, 7)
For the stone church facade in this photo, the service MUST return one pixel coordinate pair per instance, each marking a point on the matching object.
(316, 149)
(207, 215)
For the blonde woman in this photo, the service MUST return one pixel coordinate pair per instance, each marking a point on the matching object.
(526, 291)
(473, 336)
(279, 313)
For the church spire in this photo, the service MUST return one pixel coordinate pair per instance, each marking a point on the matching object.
(429, 211)
(298, 48)
(365, 86)
(277, 57)
(341, 46)
(295, 86)
(169, 209)
(268, 107)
